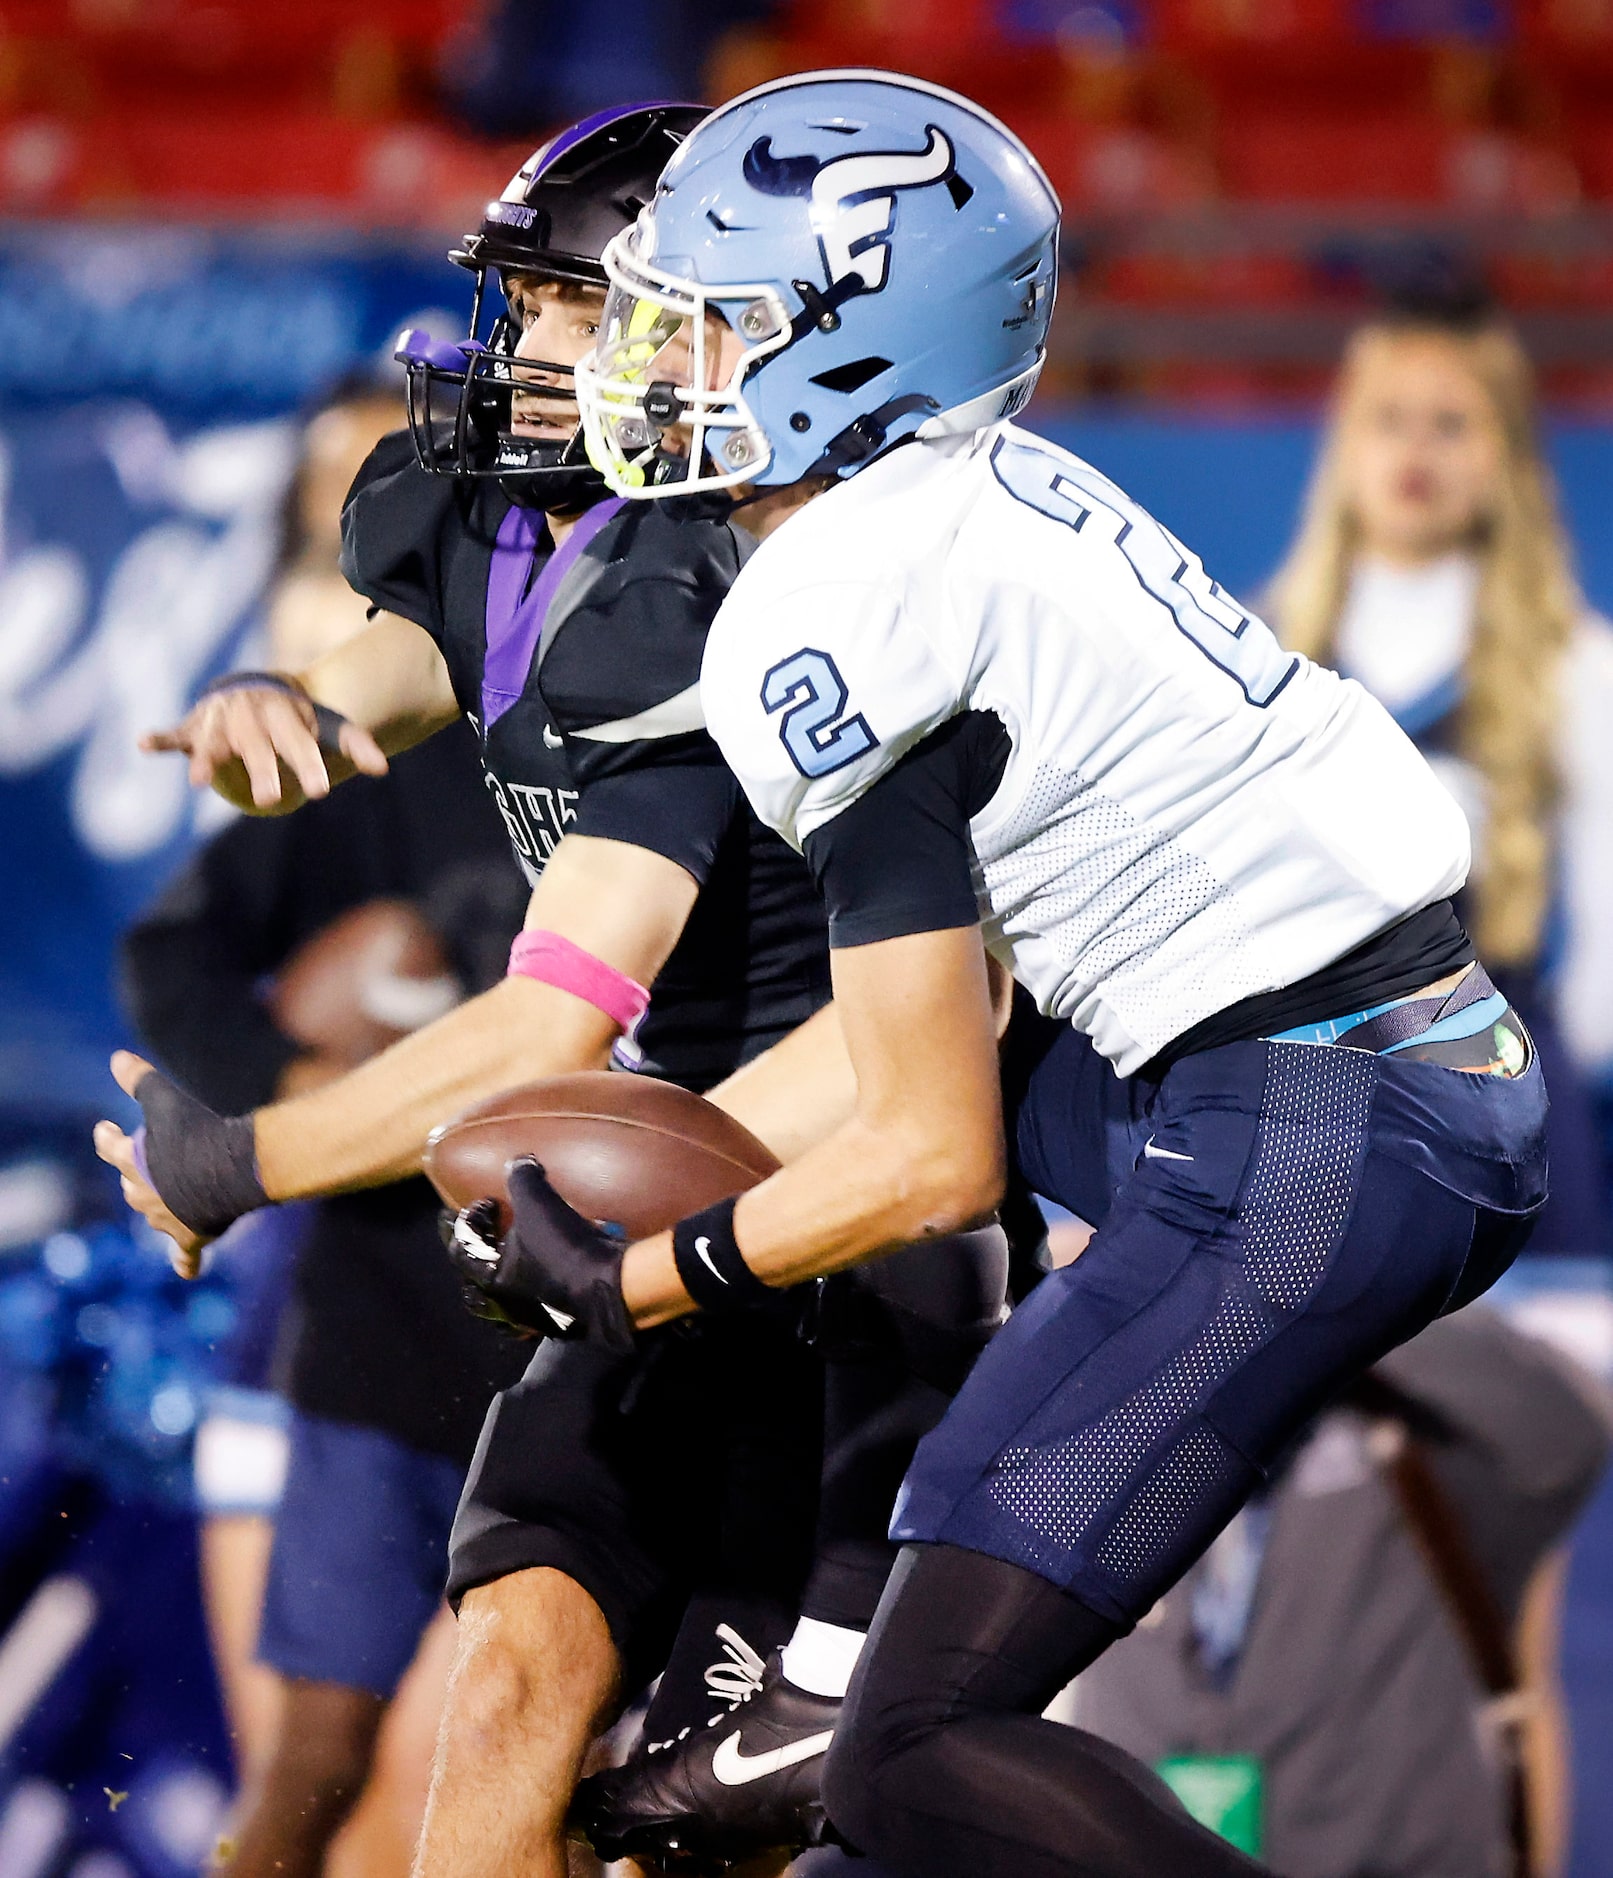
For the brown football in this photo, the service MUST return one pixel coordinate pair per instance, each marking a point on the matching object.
(618, 1147)
(362, 982)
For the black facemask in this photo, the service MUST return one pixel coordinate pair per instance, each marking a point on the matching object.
(458, 397)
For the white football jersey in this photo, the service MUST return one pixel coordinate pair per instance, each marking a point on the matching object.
(1190, 814)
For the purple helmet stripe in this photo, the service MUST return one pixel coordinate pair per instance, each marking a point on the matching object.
(567, 139)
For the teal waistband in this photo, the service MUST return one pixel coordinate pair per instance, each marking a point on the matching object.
(1467, 1022)
(1330, 1029)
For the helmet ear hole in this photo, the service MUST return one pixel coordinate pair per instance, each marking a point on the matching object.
(850, 377)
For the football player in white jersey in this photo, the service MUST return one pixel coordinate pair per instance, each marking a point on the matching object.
(1004, 712)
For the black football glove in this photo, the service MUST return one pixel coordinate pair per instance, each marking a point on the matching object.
(204, 1166)
(553, 1272)
(472, 1235)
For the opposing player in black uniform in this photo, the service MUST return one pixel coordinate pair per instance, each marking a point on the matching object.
(606, 1487)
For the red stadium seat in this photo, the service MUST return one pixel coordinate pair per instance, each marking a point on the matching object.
(1114, 168)
(1593, 151)
(1370, 158)
(1302, 24)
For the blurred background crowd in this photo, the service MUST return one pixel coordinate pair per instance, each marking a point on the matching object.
(1336, 304)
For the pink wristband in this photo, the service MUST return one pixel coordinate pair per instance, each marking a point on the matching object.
(556, 961)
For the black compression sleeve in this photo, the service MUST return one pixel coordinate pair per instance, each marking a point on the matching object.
(899, 860)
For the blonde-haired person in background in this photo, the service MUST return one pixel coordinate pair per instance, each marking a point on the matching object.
(1432, 566)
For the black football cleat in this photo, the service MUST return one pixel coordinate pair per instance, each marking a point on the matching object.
(748, 1782)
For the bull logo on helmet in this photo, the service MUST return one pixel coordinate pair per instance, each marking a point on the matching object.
(853, 198)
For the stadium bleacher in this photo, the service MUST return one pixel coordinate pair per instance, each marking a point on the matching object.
(1238, 176)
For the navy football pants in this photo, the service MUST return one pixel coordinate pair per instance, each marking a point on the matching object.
(1272, 1219)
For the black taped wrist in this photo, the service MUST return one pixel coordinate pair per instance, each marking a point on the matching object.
(205, 1166)
(711, 1265)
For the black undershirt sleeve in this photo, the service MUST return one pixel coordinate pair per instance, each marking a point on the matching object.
(674, 796)
(900, 859)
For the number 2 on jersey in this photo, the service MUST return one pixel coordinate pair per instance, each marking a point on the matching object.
(1066, 491)
(808, 689)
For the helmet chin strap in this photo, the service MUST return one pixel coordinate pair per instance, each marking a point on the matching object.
(555, 477)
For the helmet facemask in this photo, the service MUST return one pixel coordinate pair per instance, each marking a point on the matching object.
(656, 417)
(460, 396)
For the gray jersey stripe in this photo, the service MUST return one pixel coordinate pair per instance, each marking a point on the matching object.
(672, 718)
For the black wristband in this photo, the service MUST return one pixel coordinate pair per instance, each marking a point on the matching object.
(711, 1265)
(327, 723)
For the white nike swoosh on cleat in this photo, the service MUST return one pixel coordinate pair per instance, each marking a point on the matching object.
(1162, 1154)
(735, 1769)
(703, 1253)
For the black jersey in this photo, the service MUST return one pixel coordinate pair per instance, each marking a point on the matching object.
(580, 671)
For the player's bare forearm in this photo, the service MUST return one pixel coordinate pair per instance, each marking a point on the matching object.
(799, 1092)
(391, 678)
(619, 903)
(371, 1125)
(921, 1154)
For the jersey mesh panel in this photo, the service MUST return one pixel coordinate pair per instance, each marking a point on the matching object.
(1296, 1205)
(1109, 893)
(1311, 1117)
(1059, 1490)
(1202, 1472)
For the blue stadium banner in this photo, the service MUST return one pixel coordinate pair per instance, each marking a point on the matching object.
(149, 385)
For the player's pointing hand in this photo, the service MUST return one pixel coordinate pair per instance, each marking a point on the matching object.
(263, 743)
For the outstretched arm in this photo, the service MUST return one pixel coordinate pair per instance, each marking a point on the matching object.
(269, 747)
(625, 905)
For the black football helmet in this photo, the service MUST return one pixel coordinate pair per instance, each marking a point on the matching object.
(553, 221)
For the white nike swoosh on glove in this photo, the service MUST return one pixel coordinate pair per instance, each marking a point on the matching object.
(735, 1769)
(471, 1241)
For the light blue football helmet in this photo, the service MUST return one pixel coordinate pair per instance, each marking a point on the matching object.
(830, 263)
